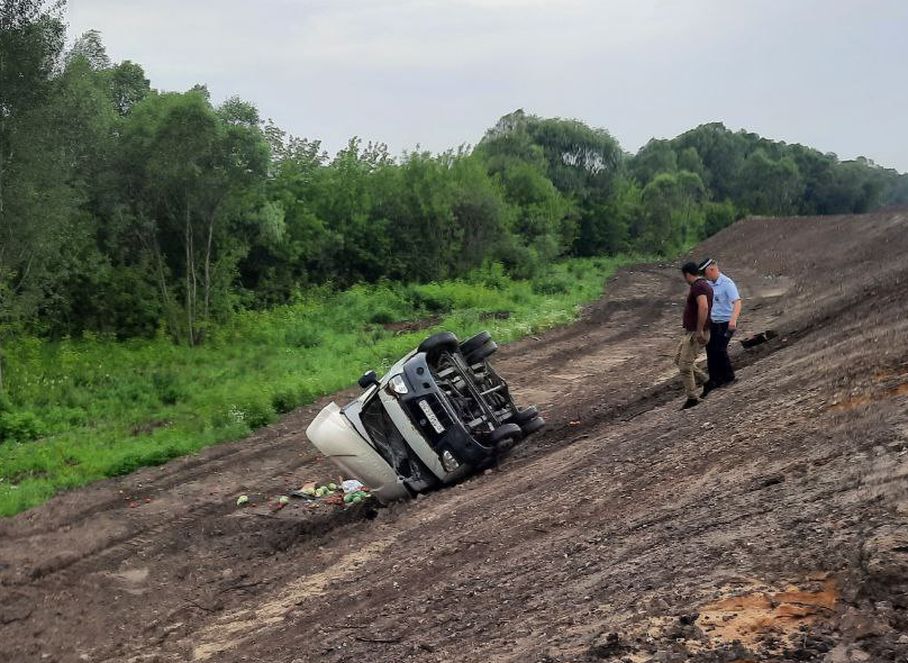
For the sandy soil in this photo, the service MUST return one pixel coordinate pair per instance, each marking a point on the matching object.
(769, 523)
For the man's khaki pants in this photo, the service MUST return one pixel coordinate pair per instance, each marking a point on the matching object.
(688, 349)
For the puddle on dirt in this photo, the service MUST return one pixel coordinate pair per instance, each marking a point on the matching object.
(752, 617)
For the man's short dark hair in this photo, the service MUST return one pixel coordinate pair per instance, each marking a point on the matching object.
(690, 268)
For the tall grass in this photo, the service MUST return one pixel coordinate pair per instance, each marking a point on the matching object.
(83, 409)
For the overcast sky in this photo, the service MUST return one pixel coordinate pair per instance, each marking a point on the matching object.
(826, 73)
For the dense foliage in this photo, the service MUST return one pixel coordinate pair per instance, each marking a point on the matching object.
(125, 210)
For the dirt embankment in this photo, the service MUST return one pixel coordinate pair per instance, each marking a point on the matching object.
(769, 523)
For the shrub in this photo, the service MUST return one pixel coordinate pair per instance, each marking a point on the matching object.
(254, 412)
(431, 298)
(304, 335)
(130, 462)
(20, 426)
(283, 401)
(167, 386)
(382, 316)
(490, 275)
(554, 284)
(288, 398)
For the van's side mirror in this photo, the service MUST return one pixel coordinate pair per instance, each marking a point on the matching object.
(368, 379)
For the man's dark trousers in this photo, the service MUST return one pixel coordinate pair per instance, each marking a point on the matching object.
(717, 362)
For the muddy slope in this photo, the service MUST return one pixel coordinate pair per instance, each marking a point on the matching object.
(769, 523)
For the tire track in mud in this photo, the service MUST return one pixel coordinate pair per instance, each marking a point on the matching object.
(185, 470)
(138, 528)
(596, 329)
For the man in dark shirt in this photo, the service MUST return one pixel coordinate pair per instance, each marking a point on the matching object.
(696, 332)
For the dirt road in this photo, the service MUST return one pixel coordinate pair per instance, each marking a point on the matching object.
(769, 523)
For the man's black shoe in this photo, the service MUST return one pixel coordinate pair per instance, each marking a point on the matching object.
(689, 403)
(707, 387)
(727, 383)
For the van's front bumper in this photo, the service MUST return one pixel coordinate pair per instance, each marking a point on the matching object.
(433, 416)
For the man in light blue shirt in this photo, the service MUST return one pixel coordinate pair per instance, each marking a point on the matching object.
(725, 312)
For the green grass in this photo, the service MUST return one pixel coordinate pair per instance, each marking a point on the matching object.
(83, 409)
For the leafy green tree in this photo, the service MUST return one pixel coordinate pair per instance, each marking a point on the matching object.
(769, 186)
(509, 142)
(127, 86)
(34, 199)
(345, 200)
(722, 153)
(416, 201)
(191, 172)
(90, 48)
(580, 161)
(605, 228)
(718, 215)
(279, 264)
(544, 224)
(480, 212)
(657, 156)
(897, 191)
(557, 175)
(692, 196)
(671, 215)
(689, 160)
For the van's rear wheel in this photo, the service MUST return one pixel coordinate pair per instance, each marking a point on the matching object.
(482, 353)
(475, 342)
(436, 344)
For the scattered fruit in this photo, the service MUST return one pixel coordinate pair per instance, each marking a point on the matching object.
(241, 500)
(284, 499)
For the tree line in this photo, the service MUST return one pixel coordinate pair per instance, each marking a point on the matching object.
(130, 211)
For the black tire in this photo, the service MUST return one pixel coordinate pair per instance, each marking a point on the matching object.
(475, 342)
(505, 432)
(438, 343)
(532, 426)
(525, 415)
(482, 353)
